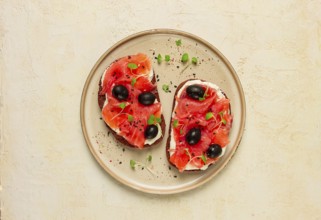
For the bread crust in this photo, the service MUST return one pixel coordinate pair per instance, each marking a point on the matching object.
(170, 127)
(101, 101)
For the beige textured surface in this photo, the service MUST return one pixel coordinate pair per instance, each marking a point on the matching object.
(47, 51)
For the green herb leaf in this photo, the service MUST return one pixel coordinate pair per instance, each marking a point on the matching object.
(159, 58)
(122, 105)
(175, 123)
(149, 158)
(204, 96)
(178, 42)
(133, 81)
(203, 158)
(222, 119)
(180, 131)
(194, 60)
(158, 120)
(165, 88)
(187, 152)
(184, 58)
(132, 164)
(208, 115)
(132, 66)
(130, 118)
(167, 58)
(151, 120)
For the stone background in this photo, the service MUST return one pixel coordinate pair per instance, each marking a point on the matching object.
(47, 51)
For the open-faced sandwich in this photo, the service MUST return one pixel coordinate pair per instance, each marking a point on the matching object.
(200, 126)
(129, 100)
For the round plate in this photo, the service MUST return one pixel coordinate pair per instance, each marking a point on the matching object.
(157, 176)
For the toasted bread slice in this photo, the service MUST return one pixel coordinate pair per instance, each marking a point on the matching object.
(130, 104)
(200, 124)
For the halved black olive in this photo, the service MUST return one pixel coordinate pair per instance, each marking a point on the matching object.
(214, 150)
(195, 91)
(146, 98)
(120, 92)
(151, 131)
(193, 136)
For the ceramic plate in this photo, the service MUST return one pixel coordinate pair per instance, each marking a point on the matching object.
(113, 156)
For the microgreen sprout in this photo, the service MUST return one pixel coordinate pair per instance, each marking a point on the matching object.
(222, 119)
(187, 153)
(204, 96)
(122, 105)
(191, 157)
(167, 58)
(203, 158)
(153, 120)
(209, 115)
(158, 120)
(194, 60)
(159, 58)
(133, 81)
(132, 66)
(165, 88)
(130, 118)
(178, 42)
(175, 123)
(185, 58)
(134, 164)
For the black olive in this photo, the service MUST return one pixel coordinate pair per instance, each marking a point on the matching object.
(151, 131)
(146, 98)
(193, 136)
(214, 150)
(120, 92)
(195, 91)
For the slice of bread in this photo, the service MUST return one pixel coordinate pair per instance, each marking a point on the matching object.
(201, 117)
(128, 118)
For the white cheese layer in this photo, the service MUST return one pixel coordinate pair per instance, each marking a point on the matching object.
(151, 75)
(172, 141)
